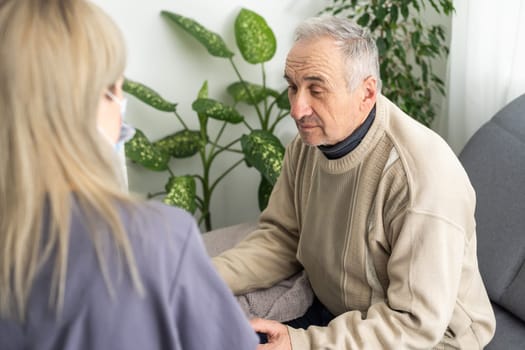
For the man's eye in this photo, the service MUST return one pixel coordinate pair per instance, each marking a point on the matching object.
(292, 88)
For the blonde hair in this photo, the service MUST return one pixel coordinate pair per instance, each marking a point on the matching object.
(58, 56)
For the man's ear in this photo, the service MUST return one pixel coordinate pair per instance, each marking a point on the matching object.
(369, 92)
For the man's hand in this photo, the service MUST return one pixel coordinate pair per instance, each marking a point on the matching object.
(277, 333)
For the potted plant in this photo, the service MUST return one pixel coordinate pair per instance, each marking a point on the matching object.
(406, 47)
(258, 147)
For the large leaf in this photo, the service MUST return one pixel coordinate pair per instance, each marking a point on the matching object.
(282, 100)
(203, 92)
(265, 152)
(363, 20)
(148, 96)
(140, 150)
(181, 192)
(254, 37)
(249, 93)
(213, 42)
(182, 144)
(217, 110)
(203, 119)
(265, 190)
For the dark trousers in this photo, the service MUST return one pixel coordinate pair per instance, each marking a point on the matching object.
(316, 315)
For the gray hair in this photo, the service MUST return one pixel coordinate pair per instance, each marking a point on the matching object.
(357, 46)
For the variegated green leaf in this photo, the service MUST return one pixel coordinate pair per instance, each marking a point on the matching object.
(140, 150)
(203, 92)
(213, 42)
(282, 100)
(254, 37)
(181, 192)
(203, 119)
(148, 96)
(265, 190)
(217, 110)
(249, 93)
(265, 152)
(182, 144)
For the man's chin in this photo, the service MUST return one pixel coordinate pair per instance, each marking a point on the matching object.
(311, 140)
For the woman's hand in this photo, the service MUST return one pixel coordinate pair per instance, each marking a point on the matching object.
(277, 333)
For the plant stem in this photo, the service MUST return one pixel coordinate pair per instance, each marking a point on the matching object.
(269, 113)
(152, 195)
(225, 148)
(200, 203)
(279, 118)
(259, 114)
(201, 179)
(247, 125)
(225, 173)
(214, 144)
(266, 118)
(181, 120)
(207, 190)
(222, 148)
(204, 215)
(206, 193)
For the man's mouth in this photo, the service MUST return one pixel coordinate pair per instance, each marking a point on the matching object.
(307, 126)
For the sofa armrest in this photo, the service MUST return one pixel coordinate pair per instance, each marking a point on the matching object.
(219, 240)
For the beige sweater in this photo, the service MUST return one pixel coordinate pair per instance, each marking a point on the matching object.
(386, 235)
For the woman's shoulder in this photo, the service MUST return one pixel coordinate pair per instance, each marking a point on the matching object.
(158, 223)
(160, 235)
(155, 210)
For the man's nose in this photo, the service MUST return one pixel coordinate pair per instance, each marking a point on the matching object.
(299, 106)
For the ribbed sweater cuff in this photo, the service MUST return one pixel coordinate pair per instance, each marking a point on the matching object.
(299, 339)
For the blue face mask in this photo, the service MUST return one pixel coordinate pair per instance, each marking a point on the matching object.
(126, 133)
(126, 130)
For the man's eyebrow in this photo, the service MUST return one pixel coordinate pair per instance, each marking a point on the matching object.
(314, 78)
(308, 78)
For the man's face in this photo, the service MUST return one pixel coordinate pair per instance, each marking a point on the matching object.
(323, 108)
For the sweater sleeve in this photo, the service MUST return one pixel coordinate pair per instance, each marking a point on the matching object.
(206, 314)
(424, 271)
(267, 255)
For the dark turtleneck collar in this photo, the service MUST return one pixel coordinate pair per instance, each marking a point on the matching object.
(346, 146)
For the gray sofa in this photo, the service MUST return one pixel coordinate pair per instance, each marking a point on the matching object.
(495, 160)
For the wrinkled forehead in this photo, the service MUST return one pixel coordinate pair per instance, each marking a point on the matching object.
(315, 57)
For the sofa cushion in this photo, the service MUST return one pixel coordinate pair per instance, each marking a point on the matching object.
(219, 240)
(495, 161)
(509, 331)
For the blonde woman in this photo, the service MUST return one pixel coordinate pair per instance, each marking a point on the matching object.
(82, 265)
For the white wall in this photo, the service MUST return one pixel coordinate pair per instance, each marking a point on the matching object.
(175, 65)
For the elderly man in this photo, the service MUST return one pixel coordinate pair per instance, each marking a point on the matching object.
(374, 206)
